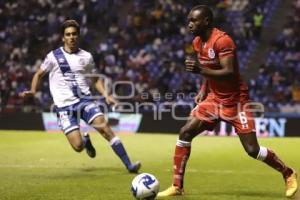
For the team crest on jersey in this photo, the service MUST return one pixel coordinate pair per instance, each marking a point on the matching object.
(81, 61)
(61, 60)
(211, 53)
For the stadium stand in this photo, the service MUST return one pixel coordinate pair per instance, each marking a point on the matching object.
(141, 41)
(277, 85)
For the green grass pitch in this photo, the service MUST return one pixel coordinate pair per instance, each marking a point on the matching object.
(42, 166)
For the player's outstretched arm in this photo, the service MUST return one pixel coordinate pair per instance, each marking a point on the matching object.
(101, 89)
(34, 84)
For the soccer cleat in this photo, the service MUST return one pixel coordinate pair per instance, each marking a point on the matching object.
(134, 168)
(291, 185)
(90, 150)
(171, 191)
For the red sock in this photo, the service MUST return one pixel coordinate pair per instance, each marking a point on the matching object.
(273, 161)
(181, 157)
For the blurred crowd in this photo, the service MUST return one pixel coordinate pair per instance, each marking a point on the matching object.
(277, 85)
(144, 42)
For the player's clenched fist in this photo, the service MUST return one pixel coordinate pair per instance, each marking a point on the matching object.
(192, 65)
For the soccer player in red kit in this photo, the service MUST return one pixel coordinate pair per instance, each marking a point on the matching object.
(223, 96)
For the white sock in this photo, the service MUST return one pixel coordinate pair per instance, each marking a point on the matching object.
(263, 152)
(115, 140)
(182, 143)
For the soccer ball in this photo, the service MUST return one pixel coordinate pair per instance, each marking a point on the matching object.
(145, 186)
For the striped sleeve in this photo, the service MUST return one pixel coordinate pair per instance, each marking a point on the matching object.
(225, 47)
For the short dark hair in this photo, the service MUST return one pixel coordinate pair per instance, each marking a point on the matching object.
(70, 23)
(205, 10)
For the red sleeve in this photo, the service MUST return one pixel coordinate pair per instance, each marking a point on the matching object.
(225, 47)
(196, 44)
(203, 86)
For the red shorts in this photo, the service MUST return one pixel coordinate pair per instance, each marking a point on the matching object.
(238, 115)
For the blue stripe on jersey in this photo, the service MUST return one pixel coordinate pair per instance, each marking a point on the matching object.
(66, 71)
(62, 61)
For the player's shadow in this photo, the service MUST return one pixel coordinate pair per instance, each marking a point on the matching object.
(103, 171)
(95, 169)
(88, 172)
(238, 195)
(241, 194)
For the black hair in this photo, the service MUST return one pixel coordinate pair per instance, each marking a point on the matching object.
(70, 23)
(206, 11)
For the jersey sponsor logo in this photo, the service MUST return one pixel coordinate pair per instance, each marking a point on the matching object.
(205, 62)
(211, 53)
(81, 61)
(61, 60)
(70, 77)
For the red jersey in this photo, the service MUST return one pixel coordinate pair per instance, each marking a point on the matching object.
(218, 46)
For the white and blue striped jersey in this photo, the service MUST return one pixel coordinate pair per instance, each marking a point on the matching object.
(69, 75)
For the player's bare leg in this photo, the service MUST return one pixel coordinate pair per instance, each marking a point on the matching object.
(182, 152)
(75, 140)
(79, 142)
(251, 146)
(100, 124)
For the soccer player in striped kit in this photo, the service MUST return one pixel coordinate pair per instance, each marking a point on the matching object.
(68, 67)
